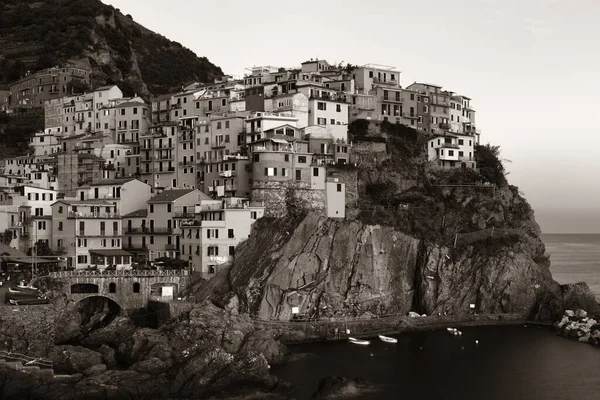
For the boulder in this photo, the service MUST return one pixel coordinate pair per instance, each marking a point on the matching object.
(263, 342)
(72, 359)
(152, 366)
(413, 314)
(585, 338)
(95, 370)
(570, 313)
(108, 356)
(579, 313)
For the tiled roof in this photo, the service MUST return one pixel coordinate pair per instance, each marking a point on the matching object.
(142, 213)
(110, 182)
(170, 195)
(90, 201)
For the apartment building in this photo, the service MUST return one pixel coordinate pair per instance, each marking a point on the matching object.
(452, 150)
(128, 194)
(258, 122)
(212, 229)
(229, 177)
(34, 89)
(89, 233)
(76, 169)
(368, 76)
(44, 144)
(161, 233)
(134, 230)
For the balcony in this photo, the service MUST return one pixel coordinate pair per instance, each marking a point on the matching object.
(165, 146)
(228, 174)
(187, 163)
(230, 188)
(146, 230)
(98, 234)
(146, 147)
(185, 215)
(166, 171)
(171, 247)
(393, 82)
(450, 146)
(219, 145)
(163, 157)
(80, 215)
(444, 125)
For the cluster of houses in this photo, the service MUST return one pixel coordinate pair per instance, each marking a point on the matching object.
(114, 178)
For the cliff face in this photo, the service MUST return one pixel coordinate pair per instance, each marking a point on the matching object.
(326, 268)
(330, 268)
(42, 34)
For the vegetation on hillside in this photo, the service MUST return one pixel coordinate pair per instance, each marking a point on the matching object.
(41, 34)
(15, 131)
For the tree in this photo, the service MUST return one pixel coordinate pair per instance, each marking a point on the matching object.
(41, 249)
(77, 87)
(297, 207)
(489, 164)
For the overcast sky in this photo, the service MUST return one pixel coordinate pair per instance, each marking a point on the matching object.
(530, 67)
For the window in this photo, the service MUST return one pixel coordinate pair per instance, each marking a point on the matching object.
(461, 142)
(212, 233)
(339, 187)
(213, 251)
(451, 153)
(232, 250)
(253, 214)
(315, 171)
(286, 157)
(321, 121)
(256, 157)
(338, 108)
(270, 171)
(321, 105)
(230, 234)
(169, 207)
(151, 208)
(226, 123)
(219, 125)
(298, 175)
(136, 287)
(112, 287)
(302, 159)
(60, 226)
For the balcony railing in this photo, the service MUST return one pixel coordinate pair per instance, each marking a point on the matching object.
(101, 234)
(166, 171)
(451, 145)
(80, 215)
(171, 247)
(148, 230)
(385, 82)
(110, 274)
(184, 215)
(228, 174)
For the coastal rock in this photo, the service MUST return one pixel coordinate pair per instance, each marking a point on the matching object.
(263, 342)
(108, 356)
(335, 387)
(579, 313)
(152, 366)
(72, 359)
(579, 296)
(95, 370)
(569, 313)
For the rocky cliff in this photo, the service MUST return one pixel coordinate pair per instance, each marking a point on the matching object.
(328, 268)
(42, 34)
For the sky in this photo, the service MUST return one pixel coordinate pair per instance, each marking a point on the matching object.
(530, 67)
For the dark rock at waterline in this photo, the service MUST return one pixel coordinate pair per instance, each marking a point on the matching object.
(336, 387)
(263, 342)
(578, 296)
(72, 359)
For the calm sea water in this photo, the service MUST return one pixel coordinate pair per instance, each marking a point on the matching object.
(575, 258)
(517, 362)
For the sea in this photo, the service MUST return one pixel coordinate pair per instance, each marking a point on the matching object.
(575, 258)
(523, 362)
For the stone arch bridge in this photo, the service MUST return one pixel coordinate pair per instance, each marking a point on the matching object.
(129, 289)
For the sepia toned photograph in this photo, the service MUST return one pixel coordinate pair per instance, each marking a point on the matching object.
(325, 200)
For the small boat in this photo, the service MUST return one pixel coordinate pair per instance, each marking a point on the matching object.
(388, 339)
(454, 331)
(358, 341)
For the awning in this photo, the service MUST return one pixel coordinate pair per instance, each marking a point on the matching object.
(111, 252)
(280, 141)
(30, 260)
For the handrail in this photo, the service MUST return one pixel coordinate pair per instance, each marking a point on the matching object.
(104, 274)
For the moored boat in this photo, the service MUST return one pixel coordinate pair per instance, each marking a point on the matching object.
(358, 341)
(388, 339)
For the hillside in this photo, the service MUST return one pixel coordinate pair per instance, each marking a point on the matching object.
(41, 34)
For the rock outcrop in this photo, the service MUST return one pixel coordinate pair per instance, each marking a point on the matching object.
(326, 268)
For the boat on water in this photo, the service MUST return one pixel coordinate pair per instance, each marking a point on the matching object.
(26, 302)
(388, 339)
(454, 331)
(358, 341)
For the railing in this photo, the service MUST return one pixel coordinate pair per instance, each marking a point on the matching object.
(74, 214)
(450, 145)
(26, 360)
(101, 234)
(185, 215)
(107, 274)
(228, 174)
(145, 229)
(171, 247)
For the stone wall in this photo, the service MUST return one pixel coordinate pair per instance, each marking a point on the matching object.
(275, 196)
(27, 329)
(124, 296)
(167, 310)
(368, 154)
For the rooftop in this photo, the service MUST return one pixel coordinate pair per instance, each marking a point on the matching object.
(112, 182)
(171, 195)
(142, 213)
(90, 201)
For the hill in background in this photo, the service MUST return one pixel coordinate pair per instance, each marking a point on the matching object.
(41, 34)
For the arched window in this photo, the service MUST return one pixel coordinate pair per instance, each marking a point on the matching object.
(112, 287)
(136, 287)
